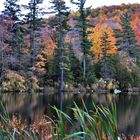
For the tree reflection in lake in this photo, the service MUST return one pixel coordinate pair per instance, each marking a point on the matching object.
(32, 106)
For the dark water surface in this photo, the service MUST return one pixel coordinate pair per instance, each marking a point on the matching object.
(31, 107)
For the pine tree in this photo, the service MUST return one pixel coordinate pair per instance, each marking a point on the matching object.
(53, 69)
(105, 43)
(75, 66)
(1, 51)
(12, 10)
(83, 24)
(35, 22)
(11, 16)
(61, 15)
(19, 41)
(126, 36)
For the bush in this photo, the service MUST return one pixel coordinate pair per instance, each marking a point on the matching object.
(12, 81)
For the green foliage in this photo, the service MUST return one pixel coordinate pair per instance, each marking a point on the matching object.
(125, 76)
(72, 67)
(34, 23)
(76, 68)
(59, 23)
(83, 25)
(53, 70)
(4, 118)
(98, 124)
(33, 17)
(126, 36)
(97, 69)
(18, 43)
(122, 73)
(61, 12)
(91, 77)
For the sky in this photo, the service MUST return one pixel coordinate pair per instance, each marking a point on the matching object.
(93, 3)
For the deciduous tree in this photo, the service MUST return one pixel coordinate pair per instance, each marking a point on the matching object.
(103, 42)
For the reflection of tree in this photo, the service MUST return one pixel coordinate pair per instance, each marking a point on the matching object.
(31, 107)
(128, 112)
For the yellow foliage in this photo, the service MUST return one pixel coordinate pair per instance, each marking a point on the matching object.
(96, 40)
(13, 81)
(14, 123)
(17, 123)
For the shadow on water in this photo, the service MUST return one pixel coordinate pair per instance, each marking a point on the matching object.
(32, 106)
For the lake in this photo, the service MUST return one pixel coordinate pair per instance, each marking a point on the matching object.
(32, 106)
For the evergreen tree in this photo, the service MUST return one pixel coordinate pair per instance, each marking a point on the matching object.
(126, 36)
(72, 67)
(12, 10)
(75, 66)
(1, 51)
(53, 69)
(11, 15)
(19, 41)
(68, 75)
(105, 44)
(35, 22)
(61, 15)
(83, 24)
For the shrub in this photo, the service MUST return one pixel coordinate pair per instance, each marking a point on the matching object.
(12, 81)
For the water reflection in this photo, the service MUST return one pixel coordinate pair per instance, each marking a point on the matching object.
(31, 107)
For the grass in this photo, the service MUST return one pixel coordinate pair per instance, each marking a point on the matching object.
(100, 123)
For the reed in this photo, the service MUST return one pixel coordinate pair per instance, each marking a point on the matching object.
(99, 123)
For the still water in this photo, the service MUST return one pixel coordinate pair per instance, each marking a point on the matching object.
(31, 107)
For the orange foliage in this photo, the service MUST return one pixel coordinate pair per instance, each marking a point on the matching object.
(14, 123)
(17, 123)
(117, 19)
(49, 44)
(47, 52)
(96, 39)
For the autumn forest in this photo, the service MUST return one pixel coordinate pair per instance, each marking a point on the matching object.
(69, 57)
(74, 48)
